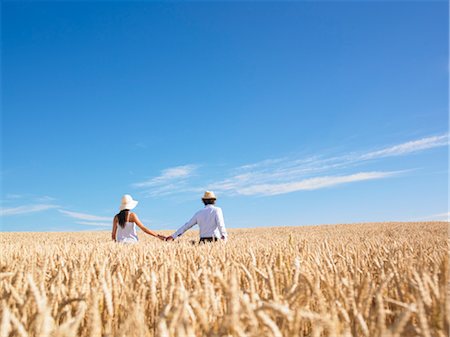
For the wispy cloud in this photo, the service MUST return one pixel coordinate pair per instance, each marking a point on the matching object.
(408, 147)
(286, 175)
(45, 198)
(84, 216)
(169, 175)
(170, 180)
(12, 196)
(435, 217)
(442, 216)
(97, 224)
(311, 184)
(92, 229)
(275, 176)
(88, 219)
(7, 211)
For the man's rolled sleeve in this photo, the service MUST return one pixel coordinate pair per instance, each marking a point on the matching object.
(221, 223)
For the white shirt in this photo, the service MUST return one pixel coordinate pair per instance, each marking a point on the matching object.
(209, 219)
(127, 234)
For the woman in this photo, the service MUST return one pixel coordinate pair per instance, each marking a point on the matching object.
(124, 223)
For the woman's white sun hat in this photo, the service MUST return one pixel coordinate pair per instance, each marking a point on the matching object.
(128, 202)
(209, 195)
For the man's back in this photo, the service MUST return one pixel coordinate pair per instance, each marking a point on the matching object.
(210, 221)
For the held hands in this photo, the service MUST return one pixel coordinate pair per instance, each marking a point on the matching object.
(164, 238)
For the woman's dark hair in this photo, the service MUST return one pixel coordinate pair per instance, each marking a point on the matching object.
(209, 201)
(122, 217)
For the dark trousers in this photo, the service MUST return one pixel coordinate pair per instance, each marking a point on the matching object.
(204, 240)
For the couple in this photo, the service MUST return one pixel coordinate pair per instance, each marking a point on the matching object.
(209, 219)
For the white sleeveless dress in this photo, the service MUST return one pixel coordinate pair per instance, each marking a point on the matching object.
(127, 234)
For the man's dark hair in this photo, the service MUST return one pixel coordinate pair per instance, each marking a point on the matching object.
(209, 201)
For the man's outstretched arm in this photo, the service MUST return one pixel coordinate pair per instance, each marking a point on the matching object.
(183, 228)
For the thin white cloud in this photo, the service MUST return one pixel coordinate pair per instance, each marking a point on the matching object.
(91, 229)
(442, 216)
(45, 198)
(13, 196)
(97, 224)
(311, 183)
(169, 175)
(278, 176)
(170, 189)
(408, 147)
(436, 217)
(7, 211)
(84, 216)
(264, 163)
(286, 175)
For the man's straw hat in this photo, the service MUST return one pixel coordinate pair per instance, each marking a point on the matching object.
(209, 195)
(128, 202)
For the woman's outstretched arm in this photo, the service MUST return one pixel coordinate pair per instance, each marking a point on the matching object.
(134, 218)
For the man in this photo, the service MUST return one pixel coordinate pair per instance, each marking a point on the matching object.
(209, 219)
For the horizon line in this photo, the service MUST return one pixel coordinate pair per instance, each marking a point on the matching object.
(258, 227)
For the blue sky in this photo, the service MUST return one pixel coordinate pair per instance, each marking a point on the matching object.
(294, 113)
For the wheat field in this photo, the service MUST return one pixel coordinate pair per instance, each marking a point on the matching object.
(380, 279)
